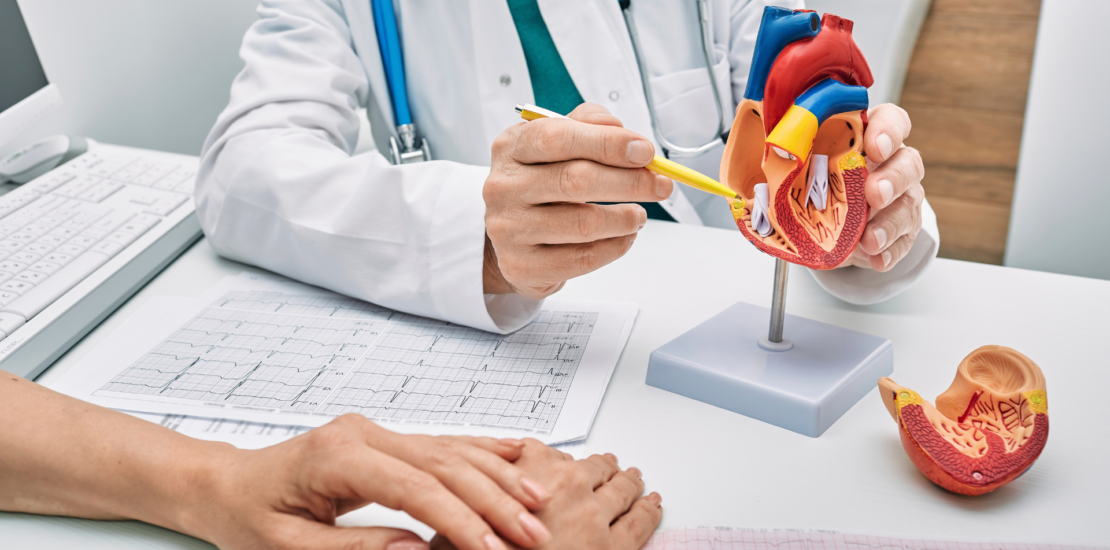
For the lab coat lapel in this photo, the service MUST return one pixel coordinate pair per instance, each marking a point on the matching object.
(503, 79)
(593, 41)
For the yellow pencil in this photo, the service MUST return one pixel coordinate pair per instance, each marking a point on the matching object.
(659, 165)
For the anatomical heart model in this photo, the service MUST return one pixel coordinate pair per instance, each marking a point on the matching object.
(985, 430)
(794, 154)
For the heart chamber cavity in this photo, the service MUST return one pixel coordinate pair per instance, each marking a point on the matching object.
(804, 109)
(984, 431)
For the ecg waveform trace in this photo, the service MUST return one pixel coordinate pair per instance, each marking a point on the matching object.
(778, 539)
(334, 355)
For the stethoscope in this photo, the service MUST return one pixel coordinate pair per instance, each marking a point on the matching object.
(670, 149)
(410, 148)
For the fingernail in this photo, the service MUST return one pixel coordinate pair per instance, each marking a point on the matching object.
(880, 237)
(661, 185)
(534, 527)
(636, 472)
(534, 490)
(494, 543)
(886, 258)
(886, 191)
(885, 145)
(643, 219)
(407, 544)
(655, 499)
(613, 457)
(507, 442)
(640, 152)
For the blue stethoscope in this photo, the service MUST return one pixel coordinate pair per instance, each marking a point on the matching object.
(411, 148)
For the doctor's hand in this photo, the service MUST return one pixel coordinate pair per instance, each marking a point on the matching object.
(541, 228)
(289, 495)
(893, 189)
(594, 504)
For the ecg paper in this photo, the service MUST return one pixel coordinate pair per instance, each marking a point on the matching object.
(777, 539)
(277, 352)
(256, 435)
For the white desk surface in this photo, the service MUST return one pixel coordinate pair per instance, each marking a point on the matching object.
(717, 468)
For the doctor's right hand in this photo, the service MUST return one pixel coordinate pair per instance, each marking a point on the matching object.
(541, 226)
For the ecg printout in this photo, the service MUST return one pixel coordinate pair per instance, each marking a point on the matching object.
(256, 435)
(778, 539)
(283, 353)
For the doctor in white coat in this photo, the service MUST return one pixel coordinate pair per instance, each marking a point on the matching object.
(473, 237)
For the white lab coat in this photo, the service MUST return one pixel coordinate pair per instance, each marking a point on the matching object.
(280, 189)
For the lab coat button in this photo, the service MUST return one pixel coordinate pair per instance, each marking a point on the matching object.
(506, 80)
(614, 95)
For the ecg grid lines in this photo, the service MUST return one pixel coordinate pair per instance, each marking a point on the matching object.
(332, 355)
(751, 539)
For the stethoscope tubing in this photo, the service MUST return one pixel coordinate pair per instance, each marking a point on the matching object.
(671, 149)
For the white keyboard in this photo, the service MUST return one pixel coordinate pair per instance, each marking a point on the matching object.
(58, 229)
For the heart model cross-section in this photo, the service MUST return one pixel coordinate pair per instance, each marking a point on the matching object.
(984, 431)
(795, 151)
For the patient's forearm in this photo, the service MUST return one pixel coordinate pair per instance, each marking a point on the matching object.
(62, 456)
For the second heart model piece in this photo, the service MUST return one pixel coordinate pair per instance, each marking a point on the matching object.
(795, 151)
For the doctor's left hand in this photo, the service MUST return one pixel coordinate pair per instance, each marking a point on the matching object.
(542, 227)
(893, 189)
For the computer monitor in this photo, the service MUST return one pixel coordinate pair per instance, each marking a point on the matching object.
(26, 96)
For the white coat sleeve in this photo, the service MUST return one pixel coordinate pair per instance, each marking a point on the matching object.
(851, 284)
(278, 187)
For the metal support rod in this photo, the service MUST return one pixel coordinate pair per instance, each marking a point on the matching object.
(778, 301)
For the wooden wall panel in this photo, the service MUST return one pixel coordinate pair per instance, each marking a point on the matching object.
(965, 91)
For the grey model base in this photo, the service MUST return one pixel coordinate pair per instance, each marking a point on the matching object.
(51, 342)
(804, 389)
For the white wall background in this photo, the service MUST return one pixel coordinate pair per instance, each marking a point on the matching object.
(146, 73)
(1058, 221)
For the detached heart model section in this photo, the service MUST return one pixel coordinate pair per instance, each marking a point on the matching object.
(795, 151)
(984, 431)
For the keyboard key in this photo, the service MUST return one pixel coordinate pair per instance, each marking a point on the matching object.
(26, 257)
(18, 287)
(146, 198)
(79, 185)
(51, 181)
(32, 277)
(10, 322)
(39, 248)
(108, 248)
(142, 223)
(38, 298)
(10, 245)
(122, 237)
(70, 249)
(51, 241)
(65, 232)
(7, 297)
(82, 241)
(101, 191)
(58, 258)
(44, 267)
(4, 276)
(112, 221)
(165, 205)
(24, 237)
(12, 266)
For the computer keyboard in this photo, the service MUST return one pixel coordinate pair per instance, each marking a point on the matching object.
(96, 213)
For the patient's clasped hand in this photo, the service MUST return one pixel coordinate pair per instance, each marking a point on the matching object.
(62, 456)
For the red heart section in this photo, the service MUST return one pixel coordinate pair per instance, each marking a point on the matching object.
(807, 120)
(985, 431)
